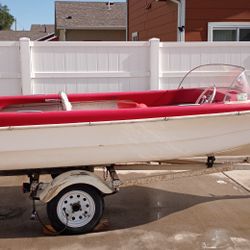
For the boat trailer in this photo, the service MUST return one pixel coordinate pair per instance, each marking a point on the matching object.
(74, 196)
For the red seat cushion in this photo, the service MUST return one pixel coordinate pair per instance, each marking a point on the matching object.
(130, 104)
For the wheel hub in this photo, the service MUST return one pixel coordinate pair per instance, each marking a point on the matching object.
(76, 208)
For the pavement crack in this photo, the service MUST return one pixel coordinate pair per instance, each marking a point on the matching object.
(238, 183)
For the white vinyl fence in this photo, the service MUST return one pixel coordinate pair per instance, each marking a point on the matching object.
(49, 67)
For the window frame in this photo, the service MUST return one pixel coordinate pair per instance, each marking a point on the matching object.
(227, 26)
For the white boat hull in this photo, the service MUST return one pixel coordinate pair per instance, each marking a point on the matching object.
(49, 146)
(243, 151)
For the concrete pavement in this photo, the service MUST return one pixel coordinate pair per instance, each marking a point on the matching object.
(207, 212)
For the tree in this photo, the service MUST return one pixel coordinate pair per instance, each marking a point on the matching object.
(6, 19)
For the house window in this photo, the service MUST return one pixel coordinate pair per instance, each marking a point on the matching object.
(228, 32)
(135, 36)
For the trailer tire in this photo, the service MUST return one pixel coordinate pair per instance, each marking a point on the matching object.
(76, 209)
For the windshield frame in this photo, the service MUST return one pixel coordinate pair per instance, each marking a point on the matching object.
(213, 64)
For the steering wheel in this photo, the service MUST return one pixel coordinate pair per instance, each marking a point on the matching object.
(207, 95)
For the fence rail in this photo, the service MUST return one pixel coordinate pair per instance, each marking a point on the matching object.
(48, 67)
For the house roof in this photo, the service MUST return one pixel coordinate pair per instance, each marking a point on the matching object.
(46, 28)
(36, 32)
(90, 15)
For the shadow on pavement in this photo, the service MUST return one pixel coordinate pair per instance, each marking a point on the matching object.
(132, 206)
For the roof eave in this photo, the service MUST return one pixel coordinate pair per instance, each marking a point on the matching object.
(92, 28)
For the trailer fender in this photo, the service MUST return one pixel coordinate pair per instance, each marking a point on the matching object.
(71, 178)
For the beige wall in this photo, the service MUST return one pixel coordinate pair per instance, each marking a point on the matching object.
(95, 35)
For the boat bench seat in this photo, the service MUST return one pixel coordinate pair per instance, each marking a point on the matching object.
(130, 104)
(65, 101)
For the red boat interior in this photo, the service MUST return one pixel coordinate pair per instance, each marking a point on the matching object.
(75, 108)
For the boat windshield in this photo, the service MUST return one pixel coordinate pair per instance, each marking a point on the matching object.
(224, 76)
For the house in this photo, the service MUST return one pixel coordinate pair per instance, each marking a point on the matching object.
(37, 32)
(90, 21)
(189, 20)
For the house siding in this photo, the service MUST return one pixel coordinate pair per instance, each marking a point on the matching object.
(95, 35)
(158, 21)
(200, 13)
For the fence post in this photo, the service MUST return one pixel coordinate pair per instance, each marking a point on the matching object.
(25, 57)
(154, 63)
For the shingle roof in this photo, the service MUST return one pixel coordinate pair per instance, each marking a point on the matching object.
(90, 15)
(37, 31)
(46, 28)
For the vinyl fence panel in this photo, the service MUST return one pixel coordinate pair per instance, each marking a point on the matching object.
(89, 67)
(10, 72)
(176, 59)
(79, 67)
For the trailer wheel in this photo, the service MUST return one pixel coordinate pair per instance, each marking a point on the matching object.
(76, 209)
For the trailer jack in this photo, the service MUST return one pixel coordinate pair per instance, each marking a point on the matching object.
(210, 161)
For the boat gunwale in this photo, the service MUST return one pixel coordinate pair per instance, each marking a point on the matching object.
(128, 121)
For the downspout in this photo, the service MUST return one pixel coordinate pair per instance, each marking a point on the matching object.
(127, 20)
(181, 19)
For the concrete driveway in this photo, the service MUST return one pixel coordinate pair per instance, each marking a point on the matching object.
(207, 212)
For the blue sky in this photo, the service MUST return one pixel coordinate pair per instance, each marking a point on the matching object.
(29, 12)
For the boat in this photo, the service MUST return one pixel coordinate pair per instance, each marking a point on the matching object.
(207, 114)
